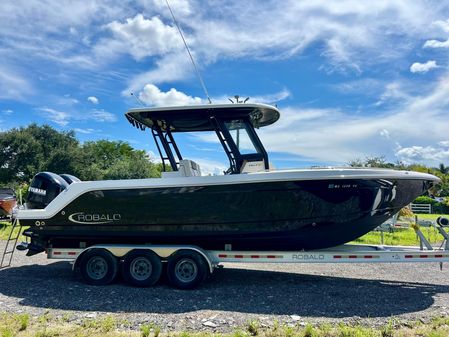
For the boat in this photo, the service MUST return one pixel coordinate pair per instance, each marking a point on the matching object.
(7, 202)
(250, 207)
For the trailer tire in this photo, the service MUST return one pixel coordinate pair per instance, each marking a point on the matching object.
(98, 267)
(141, 268)
(186, 269)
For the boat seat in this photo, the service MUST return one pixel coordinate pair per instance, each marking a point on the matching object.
(187, 168)
(250, 166)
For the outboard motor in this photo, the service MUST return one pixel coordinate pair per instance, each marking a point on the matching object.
(44, 188)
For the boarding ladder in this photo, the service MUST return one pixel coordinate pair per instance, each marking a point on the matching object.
(11, 244)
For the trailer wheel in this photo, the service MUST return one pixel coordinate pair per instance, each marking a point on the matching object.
(141, 268)
(186, 269)
(98, 267)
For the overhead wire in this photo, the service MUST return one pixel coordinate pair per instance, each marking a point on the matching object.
(188, 51)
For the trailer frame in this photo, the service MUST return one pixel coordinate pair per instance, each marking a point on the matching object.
(348, 253)
(184, 259)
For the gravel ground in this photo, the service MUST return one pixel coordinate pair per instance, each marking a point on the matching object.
(287, 293)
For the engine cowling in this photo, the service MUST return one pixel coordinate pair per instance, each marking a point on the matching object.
(43, 189)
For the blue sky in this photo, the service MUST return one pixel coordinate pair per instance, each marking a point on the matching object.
(351, 78)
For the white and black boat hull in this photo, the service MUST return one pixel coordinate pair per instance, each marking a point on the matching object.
(273, 214)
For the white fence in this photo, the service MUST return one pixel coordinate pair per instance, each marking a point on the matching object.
(421, 208)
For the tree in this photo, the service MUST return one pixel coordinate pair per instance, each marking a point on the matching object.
(117, 160)
(105, 153)
(443, 169)
(371, 162)
(28, 150)
(132, 167)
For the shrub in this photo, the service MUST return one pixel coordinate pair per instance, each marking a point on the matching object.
(437, 207)
(440, 208)
(425, 200)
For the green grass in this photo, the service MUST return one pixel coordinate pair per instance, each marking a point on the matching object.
(404, 236)
(5, 229)
(431, 216)
(106, 326)
(400, 237)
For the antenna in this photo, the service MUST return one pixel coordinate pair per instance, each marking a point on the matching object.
(237, 99)
(137, 99)
(190, 55)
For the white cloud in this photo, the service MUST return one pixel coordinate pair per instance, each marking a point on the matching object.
(384, 133)
(67, 100)
(393, 92)
(56, 17)
(444, 25)
(423, 67)
(73, 31)
(51, 50)
(101, 31)
(335, 136)
(13, 85)
(155, 158)
(86, 131)
(181, 8)
(139, 37)
(93, 99)
(75, 40)
(270, 98)
(63, 118)
(58, 117)
(171, 68)
(361, 86)
(100, 116)
(259, 98)
(436, 44)
(210, 167)
(153, 96)
(416, 154)
(338, 29)
(341, 57)
(47, 39)
(8, 112)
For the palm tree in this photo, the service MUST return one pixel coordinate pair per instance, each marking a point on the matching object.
(443, 169)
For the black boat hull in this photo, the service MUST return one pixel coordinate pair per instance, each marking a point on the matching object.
(284, 215)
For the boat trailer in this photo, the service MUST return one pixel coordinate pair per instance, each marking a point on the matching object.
(187, 266)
